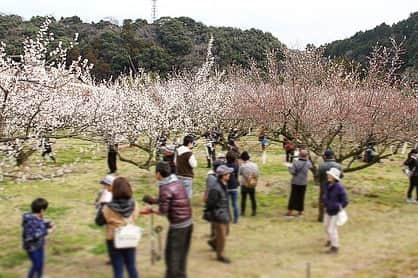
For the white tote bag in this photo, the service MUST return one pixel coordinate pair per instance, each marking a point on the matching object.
(127, 236)
(342, 217)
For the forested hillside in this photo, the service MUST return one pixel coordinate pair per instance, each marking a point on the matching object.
(171, 44)
(359, 46)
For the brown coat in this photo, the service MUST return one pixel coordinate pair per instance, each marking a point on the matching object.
(115, 220)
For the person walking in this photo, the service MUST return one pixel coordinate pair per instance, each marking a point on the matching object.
(299, 170)
(211, 181)
(233, 183)
(113, 215)
(217, 211)
(324, 167)
(412, 163)
(334, 198)
(35, 229)
(249, 177)
(173, 203)
(185, 163)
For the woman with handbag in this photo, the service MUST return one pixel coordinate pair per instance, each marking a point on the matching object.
(120, 212)
(335, 200)
(412, 172)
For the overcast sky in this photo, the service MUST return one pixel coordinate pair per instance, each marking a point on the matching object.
(293, 22)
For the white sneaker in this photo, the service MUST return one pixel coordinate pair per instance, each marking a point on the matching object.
(410, 200)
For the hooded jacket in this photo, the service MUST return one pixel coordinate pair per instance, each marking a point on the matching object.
(185, 162)
(115, 214)
(34, 232)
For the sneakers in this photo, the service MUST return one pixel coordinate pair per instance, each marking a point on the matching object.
(289, 216)
(410, 200)
(224, 260)
(333, 250)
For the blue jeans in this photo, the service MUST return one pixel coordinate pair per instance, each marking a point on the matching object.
(233, 195)
(187, 183)
(121, 257)
(37, 258)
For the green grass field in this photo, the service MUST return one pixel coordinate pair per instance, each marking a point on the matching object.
(380, 239)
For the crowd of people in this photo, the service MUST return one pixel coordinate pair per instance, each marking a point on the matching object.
(231, 175)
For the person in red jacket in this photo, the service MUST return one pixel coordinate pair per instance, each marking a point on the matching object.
(174, 203)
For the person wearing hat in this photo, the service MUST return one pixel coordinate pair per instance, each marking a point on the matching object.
(412, 163)
(334, 198)
(211, 182)
(105, 195)
(324, 167)
(217, 206)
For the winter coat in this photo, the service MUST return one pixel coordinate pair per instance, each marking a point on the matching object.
(217, 204)
(115, 214)
(412, 164)
(334, 197)
(326, 166)
(174, 202)
(34, 231)
(299, 170)
(185, 162)
(233, 182)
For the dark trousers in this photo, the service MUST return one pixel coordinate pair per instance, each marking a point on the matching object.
(413, 183)
(251, 192)
(297, 198)
(176, 250)
(233, 196)
(289, 156)
(37, 259)
(321, 203)
(49, 153)
(111, 161)
(120, 258)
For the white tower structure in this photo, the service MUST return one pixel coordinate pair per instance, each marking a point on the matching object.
(154, 11)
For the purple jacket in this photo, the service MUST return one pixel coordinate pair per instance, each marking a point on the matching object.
(334, 197)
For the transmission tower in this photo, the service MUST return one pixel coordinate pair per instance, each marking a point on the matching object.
(154, 11)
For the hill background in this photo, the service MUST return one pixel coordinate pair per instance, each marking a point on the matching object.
(177, 44)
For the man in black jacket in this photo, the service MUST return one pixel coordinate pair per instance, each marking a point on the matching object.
(218, 206)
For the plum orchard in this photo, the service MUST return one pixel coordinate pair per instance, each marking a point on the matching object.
(321, 103)
(315, 101)
(44, 95)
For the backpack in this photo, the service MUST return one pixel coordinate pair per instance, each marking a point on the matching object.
(251, 181)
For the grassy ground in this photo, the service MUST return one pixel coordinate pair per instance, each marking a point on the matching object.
(378, 241)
